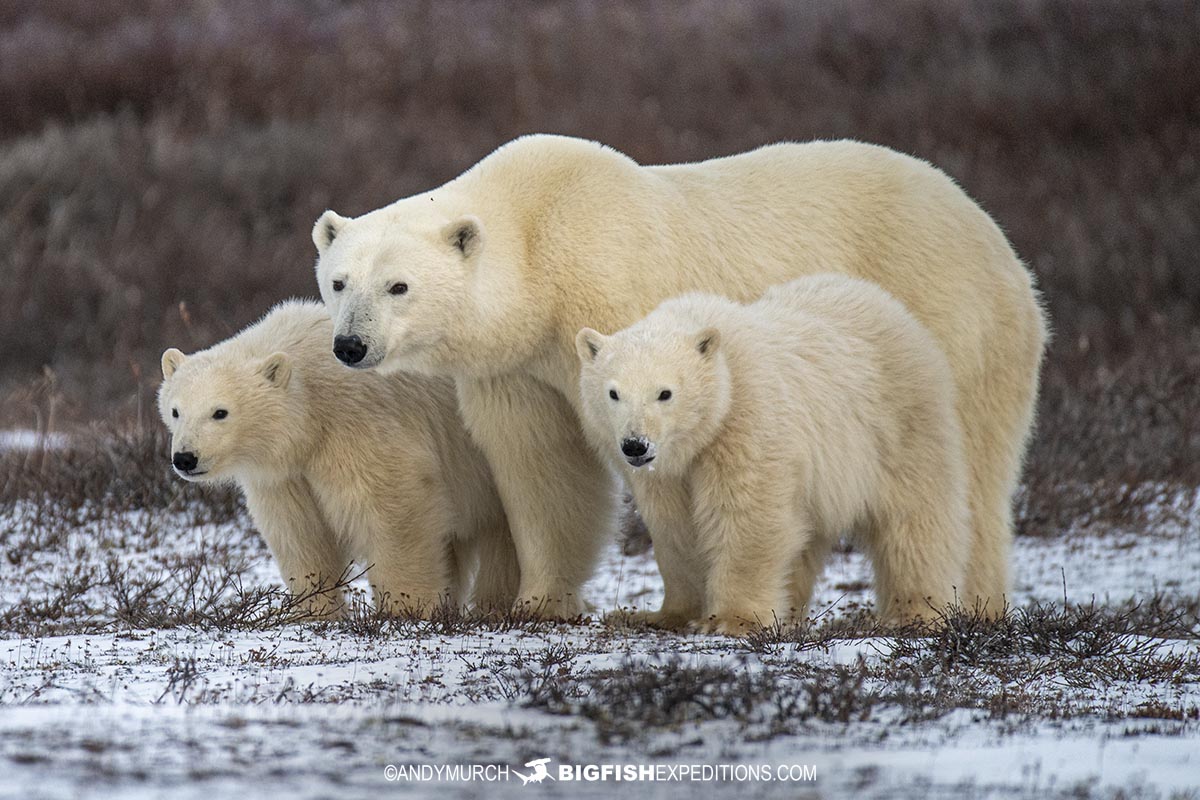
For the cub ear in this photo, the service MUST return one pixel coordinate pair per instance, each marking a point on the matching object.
(465, 235)
(277, 369)
(588, 343)
(707, 341)
(328, 226)
(172, 359)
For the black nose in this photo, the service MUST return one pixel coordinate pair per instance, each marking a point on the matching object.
(349, 349)
(185, 462)
(633, 447)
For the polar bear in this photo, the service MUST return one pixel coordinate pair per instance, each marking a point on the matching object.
(753, 436)
(340, 467)
(488, 278)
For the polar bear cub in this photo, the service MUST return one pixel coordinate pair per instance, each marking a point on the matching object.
(754, 435)
(340, 467)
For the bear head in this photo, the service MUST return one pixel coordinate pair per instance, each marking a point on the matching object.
(652, 398)
(397, 282)
(229, 417)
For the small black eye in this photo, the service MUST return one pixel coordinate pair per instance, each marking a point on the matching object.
(613, 394)
(220, 413)
(339, 285)
(398, 288)
(175, 413)
(664, 395)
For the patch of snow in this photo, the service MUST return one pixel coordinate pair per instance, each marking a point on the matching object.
(24, 439)
(312, 712)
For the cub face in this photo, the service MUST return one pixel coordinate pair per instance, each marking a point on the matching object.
(394, 282)
(649, 397)
(225, 418)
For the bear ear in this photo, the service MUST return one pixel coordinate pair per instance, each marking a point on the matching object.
(172, 359)
(277, 369)
(707, 341)
(465, 235)
(588, 343)
(328, 226)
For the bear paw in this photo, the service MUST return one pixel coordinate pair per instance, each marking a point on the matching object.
(663, 620)
(727, 625)
(567, 607)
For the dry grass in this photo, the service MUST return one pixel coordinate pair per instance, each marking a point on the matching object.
(1006, 667)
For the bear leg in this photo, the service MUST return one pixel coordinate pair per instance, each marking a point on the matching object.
(559, 499)
(462, 561)
(753, 548)
(919, 559)
(498, 578)
(666, 509)
(306, 550)
(414, 567)
(806, 569)
(683, 588)
(997, 417)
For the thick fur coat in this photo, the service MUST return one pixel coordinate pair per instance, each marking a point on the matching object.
(340, 467)
(754, 436)
(488, 279)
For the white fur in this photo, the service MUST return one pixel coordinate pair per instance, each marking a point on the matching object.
(824, 408)
(574, 234)
(340, 467)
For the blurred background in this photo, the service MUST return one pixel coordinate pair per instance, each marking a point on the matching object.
(161, 165)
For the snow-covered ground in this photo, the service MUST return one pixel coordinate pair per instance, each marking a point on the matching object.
(313, 710)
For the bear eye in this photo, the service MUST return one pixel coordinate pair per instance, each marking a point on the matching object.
(175, 413)
(613, 394)
(220, 413)
(339, 285)
(664, 395)
(398, 288)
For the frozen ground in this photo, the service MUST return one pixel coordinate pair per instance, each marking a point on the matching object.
(93, 706)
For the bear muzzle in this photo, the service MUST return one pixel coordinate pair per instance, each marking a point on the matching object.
(349, 349)
(185, 463)
(638, 450)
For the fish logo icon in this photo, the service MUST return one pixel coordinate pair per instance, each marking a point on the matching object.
(538, 774)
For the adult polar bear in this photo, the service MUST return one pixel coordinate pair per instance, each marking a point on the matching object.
(490, 277)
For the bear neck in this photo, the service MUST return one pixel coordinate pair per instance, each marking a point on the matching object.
(505, 319)
(709, 431)
(305, 430)
(522, 288)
